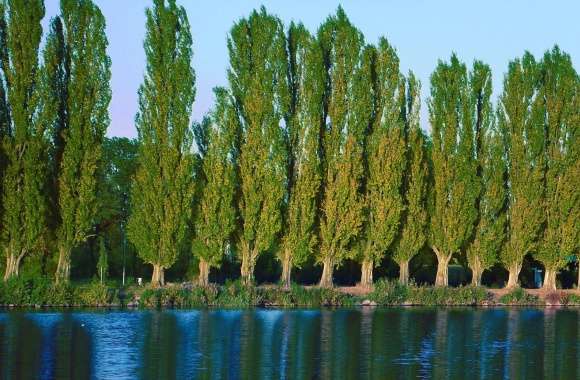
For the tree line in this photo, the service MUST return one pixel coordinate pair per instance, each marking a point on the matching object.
(312, 153)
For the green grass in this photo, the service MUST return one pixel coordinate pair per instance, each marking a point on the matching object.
(519, 296)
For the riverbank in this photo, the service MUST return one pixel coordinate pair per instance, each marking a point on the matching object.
(41, 293)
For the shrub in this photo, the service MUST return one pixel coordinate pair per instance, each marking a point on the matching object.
(573, 299)
(519, 296)
(95, 294)
(445, 296)
(387, 292)
(236, 295)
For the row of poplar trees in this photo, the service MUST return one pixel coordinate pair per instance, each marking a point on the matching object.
(53, 118)
(315, 150)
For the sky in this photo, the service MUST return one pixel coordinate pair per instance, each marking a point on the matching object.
(422, 31)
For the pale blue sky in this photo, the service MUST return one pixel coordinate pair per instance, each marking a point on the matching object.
(494, 31)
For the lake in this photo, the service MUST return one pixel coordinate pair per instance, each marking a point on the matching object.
(363, 343)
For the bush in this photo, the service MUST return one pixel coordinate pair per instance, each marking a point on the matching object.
(445, 296)
(387, 292)
(236, 295)
(573, 299)
(96, 294)
(519, 296)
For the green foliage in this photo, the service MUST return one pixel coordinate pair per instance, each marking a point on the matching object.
(163, 186)
(455, 187)
(492, 173)
(86, 84)
(346, 117)
(414, 217)
(445, 296)
(519, 296)
(387, 292)
(236, 294)
(257, 76)
(24, 144)
(560, 91)
(95, 294)
(385, 156)
(102, 264)
(215, 216)
(36, 291)
(520, 120)
(303, 140)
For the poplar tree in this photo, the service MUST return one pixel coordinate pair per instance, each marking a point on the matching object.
(385, 160)
(215, 216)
(163, 187)
(414, 217)
(489, 238)
(520, 118)
(559, 92)
(455, 187)
(102, 264)
(303, 140)
(257, 76)
(24, 143)
(346, 117)
(86, 121)
(490, 170)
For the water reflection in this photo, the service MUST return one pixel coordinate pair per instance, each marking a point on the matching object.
(292, 344)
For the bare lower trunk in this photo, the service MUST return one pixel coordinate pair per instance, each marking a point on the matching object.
(366, 277)
(158, 276)
(514, 273)
(203, 278)
(404, 272)
(476, 272)
(578, 274)
(286, 270)
(63, 267)
(249, 257)
(327, 272)
(549, 280)
(442, 278)
(12, 264)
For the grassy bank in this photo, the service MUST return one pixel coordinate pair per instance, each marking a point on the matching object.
(43, 293)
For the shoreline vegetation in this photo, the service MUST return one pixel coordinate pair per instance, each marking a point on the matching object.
(312, 164)
(43, 294)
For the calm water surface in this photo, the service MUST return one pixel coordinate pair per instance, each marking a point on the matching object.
(292, 344)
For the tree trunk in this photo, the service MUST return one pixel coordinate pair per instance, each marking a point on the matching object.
(203, 278)
(366, 277)
(514, 273)
(286, 270)
(476, 272)
(158, 276)
(327, 272)
(63, 267)
(442, 278)
(549, 280)
(404, 272)
(248, 263)
(12, 263)
(578, 273)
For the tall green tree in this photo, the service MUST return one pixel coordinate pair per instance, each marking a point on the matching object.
(24, 142)
(414, 217)
(257, 76)
(385, 160)
(86, 121)
(303, 139)
(520, 119)
(346, 117)
(163, 188)
(560, 85)
(215, 216)
(455, 186)
(489, 232)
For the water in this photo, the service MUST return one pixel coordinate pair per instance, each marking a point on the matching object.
(292, 344)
